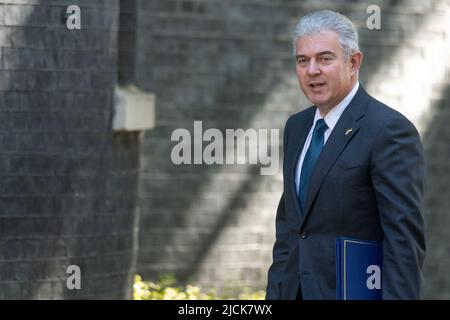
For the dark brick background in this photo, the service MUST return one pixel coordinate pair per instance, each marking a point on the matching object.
(68, 184)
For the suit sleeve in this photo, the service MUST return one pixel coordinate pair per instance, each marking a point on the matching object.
(398, 174)
(280, 248)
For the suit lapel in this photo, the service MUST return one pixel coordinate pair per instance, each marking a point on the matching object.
(336, 143)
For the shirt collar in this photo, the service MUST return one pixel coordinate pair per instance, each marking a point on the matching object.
(332, 117)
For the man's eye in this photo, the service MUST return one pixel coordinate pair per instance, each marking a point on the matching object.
(301, 61)
(326, 58)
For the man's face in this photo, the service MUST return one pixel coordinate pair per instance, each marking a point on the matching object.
(324, 75)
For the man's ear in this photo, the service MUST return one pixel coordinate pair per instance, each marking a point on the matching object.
(355, 61)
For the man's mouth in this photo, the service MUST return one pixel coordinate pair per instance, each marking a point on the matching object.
(316, 84)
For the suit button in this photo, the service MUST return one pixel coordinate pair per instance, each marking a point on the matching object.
(303, 235)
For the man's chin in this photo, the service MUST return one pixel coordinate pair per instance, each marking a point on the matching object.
(317, 96)
(319, 102)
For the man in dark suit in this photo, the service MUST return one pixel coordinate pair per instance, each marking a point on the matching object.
(353, 167)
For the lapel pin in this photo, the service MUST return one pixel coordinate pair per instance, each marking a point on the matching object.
(348, 131)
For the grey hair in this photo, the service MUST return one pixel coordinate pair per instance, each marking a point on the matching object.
(327, 20)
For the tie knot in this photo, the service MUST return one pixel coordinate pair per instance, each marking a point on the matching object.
(321, 126)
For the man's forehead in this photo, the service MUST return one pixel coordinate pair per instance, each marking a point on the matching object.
(317, 43)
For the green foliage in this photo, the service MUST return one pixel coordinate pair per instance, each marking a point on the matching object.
(166, 289)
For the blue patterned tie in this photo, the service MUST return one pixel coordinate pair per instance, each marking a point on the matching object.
(311, 156)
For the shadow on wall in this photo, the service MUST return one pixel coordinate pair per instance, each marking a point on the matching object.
(68, 195)
(222, 74)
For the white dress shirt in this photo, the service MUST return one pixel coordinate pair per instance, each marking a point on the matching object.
(331, 118)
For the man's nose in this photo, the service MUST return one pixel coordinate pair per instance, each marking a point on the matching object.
(313, 68)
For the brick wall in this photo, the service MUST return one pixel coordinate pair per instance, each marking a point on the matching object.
(228, 66)
(67, 182)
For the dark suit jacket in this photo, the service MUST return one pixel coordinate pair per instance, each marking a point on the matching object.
(368, 185)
